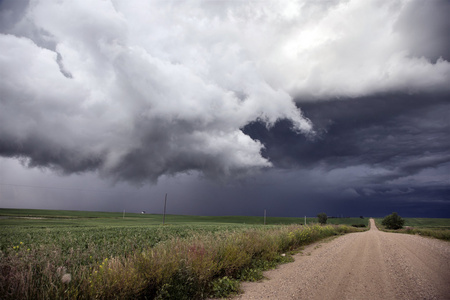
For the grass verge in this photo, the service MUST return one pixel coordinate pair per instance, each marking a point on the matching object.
(435, 228)
(442, 234)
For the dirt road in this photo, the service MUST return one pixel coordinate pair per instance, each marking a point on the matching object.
(366, 265)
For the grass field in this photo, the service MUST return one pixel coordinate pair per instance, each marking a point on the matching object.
(433, 227)
(49, 254)
(133, 232)
(437, 223)
(428, 223)
(88, 218)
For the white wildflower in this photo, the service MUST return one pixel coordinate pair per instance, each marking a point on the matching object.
(66, 278)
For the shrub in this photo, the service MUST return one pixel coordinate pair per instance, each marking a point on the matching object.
(393, 221)
(224, 287)
(322, 218)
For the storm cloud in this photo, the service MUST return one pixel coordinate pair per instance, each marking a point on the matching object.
(138, 90)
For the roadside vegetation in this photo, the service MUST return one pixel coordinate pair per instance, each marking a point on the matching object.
(115, 258)
(432, 227)
(442, 234)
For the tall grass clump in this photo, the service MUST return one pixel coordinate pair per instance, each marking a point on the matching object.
(40, 274)
(197, 266)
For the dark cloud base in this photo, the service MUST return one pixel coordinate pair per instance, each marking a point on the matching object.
(405, 136)
(386, 130)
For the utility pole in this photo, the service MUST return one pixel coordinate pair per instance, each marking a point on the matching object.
(305, 220)
(264, 216)
(164, 216)
(123, 216)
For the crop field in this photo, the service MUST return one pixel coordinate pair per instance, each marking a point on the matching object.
(89, 218)
(71, 254)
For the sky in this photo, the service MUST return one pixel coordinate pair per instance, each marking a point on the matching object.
(229, 107)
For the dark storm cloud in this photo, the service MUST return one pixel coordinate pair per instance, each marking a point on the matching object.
(374, 154)
(406, 133)
(152, 88)
(87, 89)
(35, 151)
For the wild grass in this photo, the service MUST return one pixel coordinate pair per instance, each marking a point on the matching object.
(159, 262)
(202, 266)
(442, 234)
(432, 227)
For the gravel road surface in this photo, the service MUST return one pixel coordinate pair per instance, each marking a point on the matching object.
(365, 265)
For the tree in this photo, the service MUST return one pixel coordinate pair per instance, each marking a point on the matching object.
(393, 221)
(322, 218)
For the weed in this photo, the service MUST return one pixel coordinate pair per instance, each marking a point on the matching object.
(224, 287)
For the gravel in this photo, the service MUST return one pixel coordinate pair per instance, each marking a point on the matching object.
(365, 265)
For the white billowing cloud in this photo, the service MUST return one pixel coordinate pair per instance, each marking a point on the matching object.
(138, 89)
(354, 49)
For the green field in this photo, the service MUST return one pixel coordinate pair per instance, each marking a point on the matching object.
(428, 223)
(37, 217)
(135, 255)
(117, 234)
(432, 227)
(437, 223)
(56, 254)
